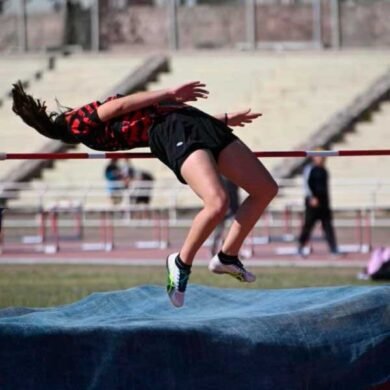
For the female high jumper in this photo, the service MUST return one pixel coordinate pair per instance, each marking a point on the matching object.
(196, 146)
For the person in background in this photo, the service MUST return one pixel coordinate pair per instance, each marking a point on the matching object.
(114, 179)
(141, 182)
(234, 204)
(317, 204)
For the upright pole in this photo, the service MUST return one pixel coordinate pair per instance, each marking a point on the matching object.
(317, 23)
(336, 24)
(173, 25)
(250, 22)
(95, 26)
(22, 26)
(1, 229)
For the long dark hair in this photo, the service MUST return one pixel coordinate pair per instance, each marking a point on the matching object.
(33, 112)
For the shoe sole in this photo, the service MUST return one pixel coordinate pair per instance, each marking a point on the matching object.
(169, 289)
(236, 276)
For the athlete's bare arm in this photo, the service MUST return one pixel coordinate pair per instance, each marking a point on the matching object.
(239, 118)
(187, 92)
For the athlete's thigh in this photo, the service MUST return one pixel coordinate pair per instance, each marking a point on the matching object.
(240, 165)
(200, 172)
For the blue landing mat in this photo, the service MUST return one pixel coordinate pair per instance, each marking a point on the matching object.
(313, 338)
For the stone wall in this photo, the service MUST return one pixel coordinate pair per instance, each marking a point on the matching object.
(363, 25)
(366, 24)
(8, 35)
(219, 26)
(43, 31)
(207, 26)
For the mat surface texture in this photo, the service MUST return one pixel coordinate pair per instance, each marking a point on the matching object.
(312, 338)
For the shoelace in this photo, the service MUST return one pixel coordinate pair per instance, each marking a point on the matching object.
(239, 264)
(183, 279)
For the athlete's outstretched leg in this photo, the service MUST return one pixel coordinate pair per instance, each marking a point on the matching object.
(200, 172)
(239, 164)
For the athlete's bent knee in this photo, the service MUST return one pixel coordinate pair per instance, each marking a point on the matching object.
(273, 188)
(217, 205)
(267, 191)
(270, 191)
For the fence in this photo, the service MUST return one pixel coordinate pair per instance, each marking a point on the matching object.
(51, 216)
(23, 27)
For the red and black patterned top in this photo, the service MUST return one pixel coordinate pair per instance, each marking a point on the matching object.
(121, 133)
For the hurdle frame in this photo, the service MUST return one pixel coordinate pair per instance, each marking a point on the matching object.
(363, 229)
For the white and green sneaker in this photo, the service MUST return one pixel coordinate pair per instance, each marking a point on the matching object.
(235, 269)
(177, 281)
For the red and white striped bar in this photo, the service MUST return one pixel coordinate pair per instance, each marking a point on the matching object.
(139, 155)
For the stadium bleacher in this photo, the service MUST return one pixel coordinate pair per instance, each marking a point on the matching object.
(19, 67)
(13, 131)
(296, 92)
(356, 182)
(372, 171)
(76, 80)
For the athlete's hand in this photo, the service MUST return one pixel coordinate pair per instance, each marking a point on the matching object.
(189, 92)
(241, 118)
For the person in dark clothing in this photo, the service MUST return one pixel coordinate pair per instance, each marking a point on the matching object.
(317, 204)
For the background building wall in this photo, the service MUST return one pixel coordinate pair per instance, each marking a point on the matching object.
(363, 24)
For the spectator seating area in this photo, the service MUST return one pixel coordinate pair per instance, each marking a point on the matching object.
(359, 181)
(19, 67)
(368, 135)
(75, 80)
(14, 132)
(296, 92)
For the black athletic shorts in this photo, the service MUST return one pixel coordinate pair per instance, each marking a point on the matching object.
(175, 136)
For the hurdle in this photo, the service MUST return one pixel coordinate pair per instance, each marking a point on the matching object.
(162, 227)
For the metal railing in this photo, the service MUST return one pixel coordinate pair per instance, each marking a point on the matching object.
(366, 191)
(50, 209)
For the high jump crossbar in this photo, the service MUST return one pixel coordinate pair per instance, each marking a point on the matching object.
(140, 155)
